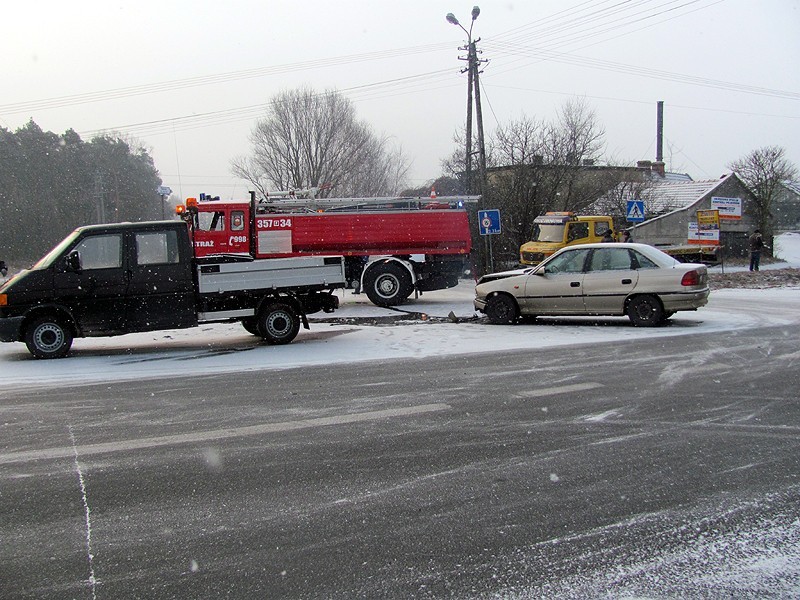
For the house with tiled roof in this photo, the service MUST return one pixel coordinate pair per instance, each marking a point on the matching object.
(786, 207)
(670, 206)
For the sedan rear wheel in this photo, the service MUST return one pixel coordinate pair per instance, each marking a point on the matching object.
(501, 310)
(645, 311)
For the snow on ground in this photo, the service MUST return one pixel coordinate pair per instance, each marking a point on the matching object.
(376, 334)
(787, 247)
(228, 348)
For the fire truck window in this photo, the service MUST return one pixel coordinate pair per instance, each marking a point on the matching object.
(211, 221)
(101, 252)
(237, 220)
(578, 231)
(157, 248)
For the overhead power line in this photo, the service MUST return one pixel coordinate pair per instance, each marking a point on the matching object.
(589, 20)
(189, 82)
(405, 85)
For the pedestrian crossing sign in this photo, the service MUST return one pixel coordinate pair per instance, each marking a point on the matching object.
(635, 211)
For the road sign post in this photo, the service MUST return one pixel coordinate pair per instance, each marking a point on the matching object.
(488, 225)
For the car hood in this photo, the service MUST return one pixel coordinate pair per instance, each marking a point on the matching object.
(503, 275)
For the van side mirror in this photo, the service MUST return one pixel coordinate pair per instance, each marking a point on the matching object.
(73, 262)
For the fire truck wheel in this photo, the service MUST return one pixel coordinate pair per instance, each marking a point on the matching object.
(387, 284)
(501, 310)
(645, 311)
(48, 337)
(278, 323)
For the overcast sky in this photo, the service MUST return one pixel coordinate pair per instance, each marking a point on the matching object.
(190, 79)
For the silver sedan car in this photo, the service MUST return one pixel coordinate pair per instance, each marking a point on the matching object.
(636, 280)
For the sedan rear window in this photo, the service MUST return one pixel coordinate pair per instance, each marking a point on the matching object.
(644, 262)
(610, 259)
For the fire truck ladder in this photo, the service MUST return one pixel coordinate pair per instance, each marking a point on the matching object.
(273, 204)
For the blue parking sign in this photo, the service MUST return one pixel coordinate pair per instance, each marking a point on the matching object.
(489, 221)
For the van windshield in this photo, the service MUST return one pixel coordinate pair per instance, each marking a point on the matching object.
(48, 258)
(549, 233)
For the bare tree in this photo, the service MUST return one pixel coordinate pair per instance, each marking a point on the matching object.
(544, 168)
(762, 171)
(310, 139)
(574, 141)
(519, 189)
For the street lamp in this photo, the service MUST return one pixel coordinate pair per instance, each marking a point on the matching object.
(451, 18)
(472, 68)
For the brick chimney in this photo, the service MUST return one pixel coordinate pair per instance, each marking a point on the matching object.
(659, 167)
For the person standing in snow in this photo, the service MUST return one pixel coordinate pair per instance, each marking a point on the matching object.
(756, 245)
(608, 236)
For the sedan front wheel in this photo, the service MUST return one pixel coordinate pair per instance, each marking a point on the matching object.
(501, 310)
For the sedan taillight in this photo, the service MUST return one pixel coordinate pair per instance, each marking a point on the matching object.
(690, 278)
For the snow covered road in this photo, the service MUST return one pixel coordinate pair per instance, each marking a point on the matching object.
(353, 339)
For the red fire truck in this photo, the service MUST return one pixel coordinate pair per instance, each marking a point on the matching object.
(392, 246)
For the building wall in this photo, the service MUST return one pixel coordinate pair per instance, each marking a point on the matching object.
(786, 211)
(673, 228)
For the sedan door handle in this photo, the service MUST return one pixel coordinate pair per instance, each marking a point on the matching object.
(626, 282)
(574, 284)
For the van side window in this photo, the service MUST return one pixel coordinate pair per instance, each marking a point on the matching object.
(101, 252)
(157, 247)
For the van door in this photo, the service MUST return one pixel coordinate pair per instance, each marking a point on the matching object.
(160, 289)
(95, 292)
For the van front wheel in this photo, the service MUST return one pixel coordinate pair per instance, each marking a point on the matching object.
(48, 337)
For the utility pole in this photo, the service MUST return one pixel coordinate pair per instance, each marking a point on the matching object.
(479, 114)
(473, 88)
(468, 157)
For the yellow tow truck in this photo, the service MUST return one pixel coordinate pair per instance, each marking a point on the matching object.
(555, 230)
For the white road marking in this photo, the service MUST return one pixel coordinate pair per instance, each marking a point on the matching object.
(217, 434)
(87, 514)
(563, 389)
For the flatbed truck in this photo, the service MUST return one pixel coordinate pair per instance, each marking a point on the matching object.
(114, 279)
